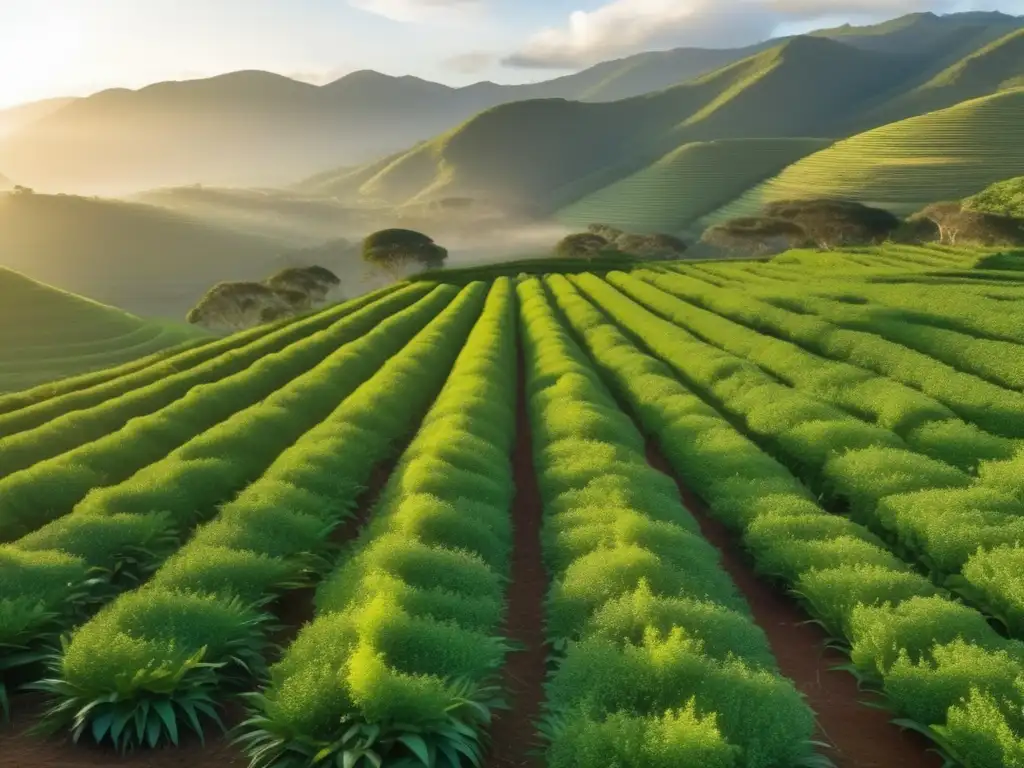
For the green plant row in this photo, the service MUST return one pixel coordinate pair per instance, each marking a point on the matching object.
(397, 668)
(953, 296)
(122, 532)
(943, 669)
(33, 352)
(927, 509)
(59, 424)
(939, 388)
(659, 663)
(160, 659)
(50, 488)
(999, 362)
(28, 397)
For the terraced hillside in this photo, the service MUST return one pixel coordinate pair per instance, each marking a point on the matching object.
(565, 518)
(943, 155)
(687, 183)
(48, 334)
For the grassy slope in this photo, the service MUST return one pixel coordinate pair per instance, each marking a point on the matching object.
(942, 155)
(47, 333)
(542, 155)
(1003, 197)
(144, 259)
(687, 183)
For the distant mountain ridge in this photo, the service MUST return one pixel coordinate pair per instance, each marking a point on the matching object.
(261, 128)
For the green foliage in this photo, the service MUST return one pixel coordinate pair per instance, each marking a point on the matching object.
(396, 248)
(942, 155)
(397, 665)
(48, 334)
(632, 579)
(922, 648)
(1005, 198)
(101, 448)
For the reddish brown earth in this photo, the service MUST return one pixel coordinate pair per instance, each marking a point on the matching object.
(19, 749)
(514, 731)
(862, 737)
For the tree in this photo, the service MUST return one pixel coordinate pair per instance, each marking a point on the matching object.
(959, 225)
(834, 223)
(235, 306)
(315, 282)
(656, 246)
(608, 232)
(756, 235)
(395, 250)
(582, 245)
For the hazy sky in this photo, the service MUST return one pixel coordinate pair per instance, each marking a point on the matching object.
(73, 47)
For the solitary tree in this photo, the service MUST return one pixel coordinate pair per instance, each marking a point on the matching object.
(396, 250)
(957, 224)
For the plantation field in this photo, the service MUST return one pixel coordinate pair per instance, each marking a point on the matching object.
(734, 515)
(686, 184)
(903, 166)
(48, 334)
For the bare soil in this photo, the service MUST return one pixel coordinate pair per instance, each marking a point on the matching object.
(514, 732)
(19, 749)
(861, 736)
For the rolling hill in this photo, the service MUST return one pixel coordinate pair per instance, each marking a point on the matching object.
(687, 183)
(144, 259)
(943, 155)
(179, 133)
(47, 333)
(16, 118)
(542, 155)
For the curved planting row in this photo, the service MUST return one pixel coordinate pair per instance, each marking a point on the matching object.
(70, 419)
(928, 510)
(660, 663)
(40, 392)
(398, 664)
(997, 361)
(942, 668)
(117, 535)
(922, 422)
(993, 408)
(48, 489)
(161, 658)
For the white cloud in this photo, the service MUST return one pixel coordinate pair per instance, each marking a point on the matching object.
(622, 27)
(411, 11)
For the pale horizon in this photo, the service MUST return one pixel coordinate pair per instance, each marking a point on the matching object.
(75, 48)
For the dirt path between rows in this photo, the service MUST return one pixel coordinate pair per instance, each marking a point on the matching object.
(514, 732)
(862, 736)
(19, 749)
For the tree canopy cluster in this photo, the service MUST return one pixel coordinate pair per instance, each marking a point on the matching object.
(235, 306)
(398, 250)
(826, 224)
(602, 239)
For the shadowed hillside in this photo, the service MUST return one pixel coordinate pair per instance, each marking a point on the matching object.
(687, 183)
(47, 333)
(943, 155)
(138, 257)
(180, 133)
(537, 156)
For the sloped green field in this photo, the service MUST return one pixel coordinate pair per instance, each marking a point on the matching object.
(943, 155)
(385, 530)
(47, 333)
(687, 183)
